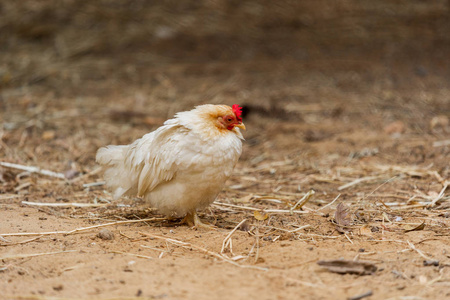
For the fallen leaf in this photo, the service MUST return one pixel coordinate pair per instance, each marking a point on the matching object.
(342, 266)
(419, 227)
(341, 216)
(260, 216)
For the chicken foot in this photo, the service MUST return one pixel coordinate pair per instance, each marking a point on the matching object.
(192, 220)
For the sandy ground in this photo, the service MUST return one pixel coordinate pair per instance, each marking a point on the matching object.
(369, 130)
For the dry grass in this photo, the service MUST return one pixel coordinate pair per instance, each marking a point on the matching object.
(279, 220)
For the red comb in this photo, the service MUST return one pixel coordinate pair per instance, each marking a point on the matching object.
(237, 111)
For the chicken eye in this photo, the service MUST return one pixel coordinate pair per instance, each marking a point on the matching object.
(229, 119)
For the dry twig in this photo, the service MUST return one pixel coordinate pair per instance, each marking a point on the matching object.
(357, 181)
(331, 203)
(73, 204)
(22, 242)
(303, 200)
(132, 254)
(440, 196)
(227, 239)
(283, 211)
(33, 170)
(84, 176)
(411, 245)
(91, 184)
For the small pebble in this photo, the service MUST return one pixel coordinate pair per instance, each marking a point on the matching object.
(105, 234)
(431, 263)
(127, 269)
(58, 287)
(70, 174)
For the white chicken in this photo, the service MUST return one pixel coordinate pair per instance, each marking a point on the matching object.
(182, 165)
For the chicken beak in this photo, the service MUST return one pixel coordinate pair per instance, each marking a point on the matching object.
(241, 126)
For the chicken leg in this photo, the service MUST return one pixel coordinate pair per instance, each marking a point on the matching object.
(192, 220)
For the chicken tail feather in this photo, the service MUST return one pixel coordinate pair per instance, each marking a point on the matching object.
(116, 174)
(110, 155)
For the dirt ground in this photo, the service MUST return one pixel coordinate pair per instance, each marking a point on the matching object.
(350, 100)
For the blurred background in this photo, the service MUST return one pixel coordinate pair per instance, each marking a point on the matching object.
(81, 74)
